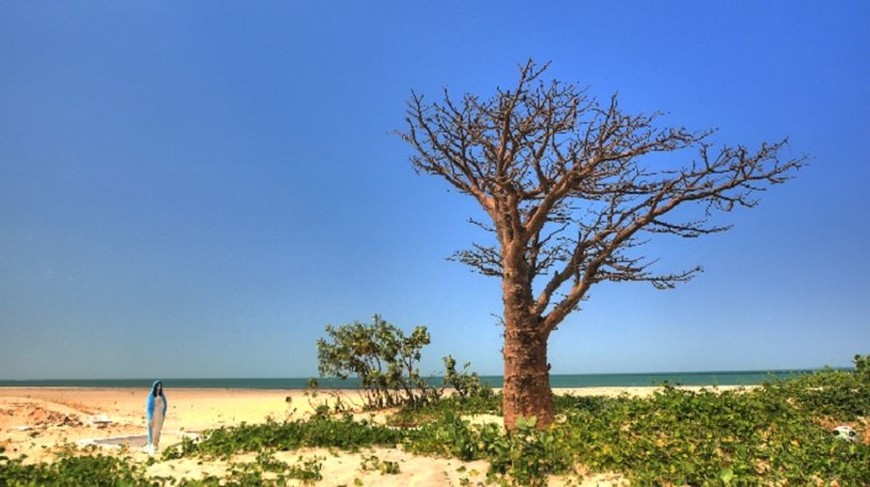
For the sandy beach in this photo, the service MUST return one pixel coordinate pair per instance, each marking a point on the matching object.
(36, 422)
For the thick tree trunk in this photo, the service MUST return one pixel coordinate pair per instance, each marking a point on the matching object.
(527, 391)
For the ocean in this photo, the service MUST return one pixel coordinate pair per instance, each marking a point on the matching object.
(727, 378)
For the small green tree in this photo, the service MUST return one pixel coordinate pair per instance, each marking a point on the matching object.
(862, 369)
(382, 357)
(465, 383)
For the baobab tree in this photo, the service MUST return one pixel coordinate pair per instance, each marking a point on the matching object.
(572, 195)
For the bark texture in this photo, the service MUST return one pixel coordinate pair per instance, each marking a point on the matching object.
(527, 391)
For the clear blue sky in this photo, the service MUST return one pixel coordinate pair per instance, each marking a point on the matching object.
(195, 189)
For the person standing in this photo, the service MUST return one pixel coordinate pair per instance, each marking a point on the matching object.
(156, 412)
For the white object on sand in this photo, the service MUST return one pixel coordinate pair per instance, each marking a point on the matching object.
(845, 433)
(156, 424)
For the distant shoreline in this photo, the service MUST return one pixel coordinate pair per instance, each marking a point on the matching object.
(559, 381)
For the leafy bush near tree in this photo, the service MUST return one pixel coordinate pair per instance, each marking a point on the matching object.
(382, 357)
(387, 364)
(465, 383)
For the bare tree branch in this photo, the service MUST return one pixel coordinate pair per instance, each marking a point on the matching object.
(563, 180)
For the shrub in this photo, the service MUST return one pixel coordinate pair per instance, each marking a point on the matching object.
(465, 383)
(382, 357)
(319, 431)
(73, 468)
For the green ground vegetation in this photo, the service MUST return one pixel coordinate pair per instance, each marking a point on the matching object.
(776, 434)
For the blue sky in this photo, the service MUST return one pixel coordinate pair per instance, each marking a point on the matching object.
(195, 189)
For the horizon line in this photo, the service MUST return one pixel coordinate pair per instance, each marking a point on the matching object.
(692, 372)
